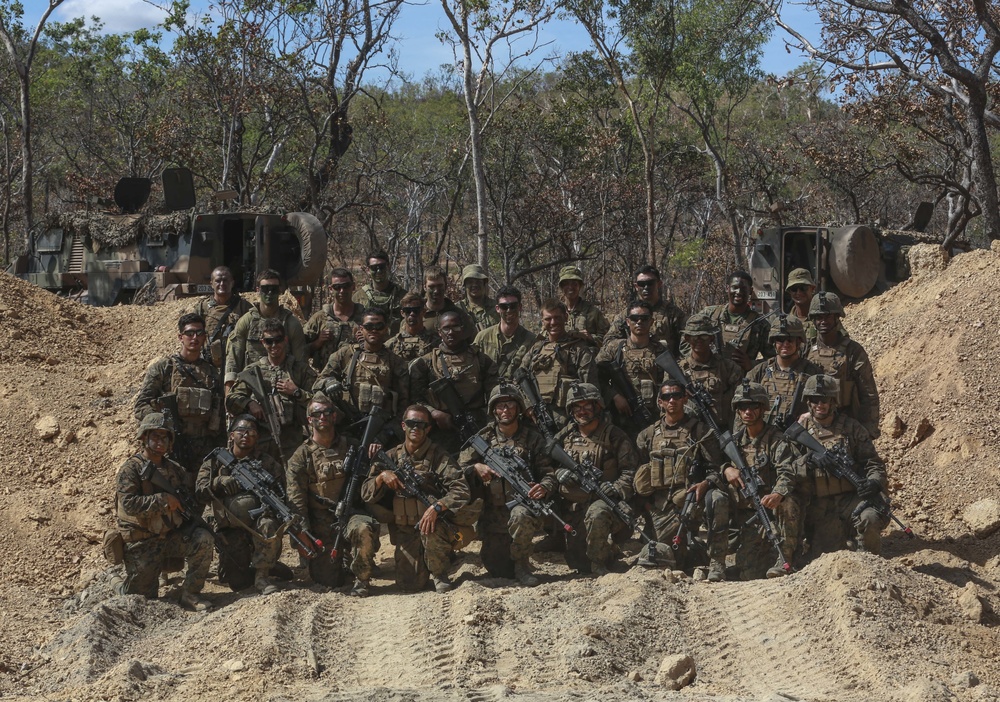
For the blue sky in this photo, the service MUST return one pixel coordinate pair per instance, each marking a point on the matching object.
(420, 51)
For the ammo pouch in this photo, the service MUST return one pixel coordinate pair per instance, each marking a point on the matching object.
(731, 331)
(669, 500)
(828, 486)
(193, 402)
(370, 395)
(284, 408)
(561, 391)
(330, 479)
(114, 547)
(407, 511)
(647, 391)
(667, 468)
(846, 396)
(217, 353)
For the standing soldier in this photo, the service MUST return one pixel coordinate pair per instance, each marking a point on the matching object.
(584, 318)
(668, 320)
(507, 341)
(801, 288)
(337, 324)
(382, 291)
(188, 388)
(470, 370)
(252, 543)
(506, 533)
(764, 449)
(316, 471)
(632, 360)
(846, 360)
(718, 375)
(245, 347)
(784, 375)
(476, 303)
(152, 522)
(559, 360)
(286, 389)
(221, 310)
(590, 438)
(437, 301)
(677, 455)
(413, 339)
(423, 544)
(737, 337)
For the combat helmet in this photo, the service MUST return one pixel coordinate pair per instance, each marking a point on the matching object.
(580, 392)
(155, 420)
(821, 386)
(749, 393)
(506, 391)
(785, 326)
(700, 325)
(825, 302)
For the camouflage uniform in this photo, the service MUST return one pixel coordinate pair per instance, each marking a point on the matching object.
(410, 347)
(556, 366)
(507, 533)
(639, 364)
(730, 325)
(848, 363)
(292, 410)
(785, 384)
(431, 317)
(152, 534)
(316, 471)
(195, 391)
(344, 332)
(807, 325)
(217, 315)
(370, 379)
(672, 459)
(587, 317)
(610, 450)
(668, 321)
(719, 377)
(507, 353)
(419, 555)
(254, 545)
(389, 300)
(244, 344)
(484, 316)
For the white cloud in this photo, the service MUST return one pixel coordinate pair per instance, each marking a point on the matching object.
(117, 15)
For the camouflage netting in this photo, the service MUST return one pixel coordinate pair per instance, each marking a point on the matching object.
(117, 230)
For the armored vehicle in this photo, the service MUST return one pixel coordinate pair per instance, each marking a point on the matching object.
(107, 258)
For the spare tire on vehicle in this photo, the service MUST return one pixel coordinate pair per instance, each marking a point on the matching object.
(312, 240)
(854, 260)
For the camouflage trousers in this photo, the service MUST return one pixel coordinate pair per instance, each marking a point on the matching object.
(506, 536)
(418, 556)
(754, 553)
(145, 559)
(190, 452)
(713, 511)
(833, 521)
(242, 553)
(362, 534)
(594, 524)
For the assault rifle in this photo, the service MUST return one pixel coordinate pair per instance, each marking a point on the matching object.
(222, 331)
(788, 417)
(685, 520)
(737, 341)
(623, 385)
(837, 461)
(258, 482)
(590, 479)
(444, 389)
(414, 487)
(752, 482)
(528, 383)
(254, 379)
(513, 469)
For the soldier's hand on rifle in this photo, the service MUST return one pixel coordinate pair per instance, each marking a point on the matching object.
(621, 404)
(823, 462)
(227, 485)
(869, 489)
(442, 419)
(772, 501)
(324, 336)
(173, 504)
(732, 476)
(609, 489)
(428, 521)
(699, 489)
(538, 492)
(390, 480)
(256, 410)
(373, 449)
(286, 386)
(484, 472)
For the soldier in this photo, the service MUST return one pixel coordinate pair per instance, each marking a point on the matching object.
(636, 357)
(846, 360)
(317, 470)
(732, 319)
(668, 320)
(507, 341)
(383, 291)
(559, 360)
(287, 385)
(784, 375)
(476, 304)
(245, 348)
(838, 516)
(337, 324)
(584, 318)
(507, 533)
(801, 288)
(437, 302)
(763, 448)
(413, 339)
(472, 372)
(719, 376)
(187, 387)
(151, 519)
(423, 546)
(368, 374)
(221, 310)
(251, 543)
(677, 456)
(592, 439)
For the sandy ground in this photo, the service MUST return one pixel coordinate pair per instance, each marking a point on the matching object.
(918, 624)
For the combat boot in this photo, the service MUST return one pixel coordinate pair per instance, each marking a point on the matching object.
(716, 571)
(523, 574)
(192, 601)
(778, 569)
(441, 583)
(360, 588)
(598, 569)
(263, 584)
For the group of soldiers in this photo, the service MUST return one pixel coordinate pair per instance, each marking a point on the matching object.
(447, 422)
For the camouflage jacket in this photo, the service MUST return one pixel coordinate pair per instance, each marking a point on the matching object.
(388, 299)
(220, 321)
(773, 459)
(528, 443)
(507, 353)
(639, 364)
(244, 343)
(850, 434)
(314, 470)
(410, 347)
(370, 378)
(474, 374)
(786, 384)
(609, 449)
(208, 491)
(587, 317)
(291, 409)
(731, 325)
(556, 365)
(674, 457)
(344, 332)
(848, 363)
(141, 506)
(719, 377)
(484, 315)
(668, 321)
(190, 392)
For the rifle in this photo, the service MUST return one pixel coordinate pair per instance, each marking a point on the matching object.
(788, 417)
(258, 482)
(737, 342)
(222, 330)
(414, 487)
(751, 478)
(685, 522)
(444, 389)
(254, 379)
(841, 465)
(590, 478)
(513, 469)
(528, 383)
(623, 385)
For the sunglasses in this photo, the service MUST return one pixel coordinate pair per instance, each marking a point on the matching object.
(374, 326)
(416, 424)
(271, 340)
(191, 333)
(243, 431)
(639, 318)
(645, 283)
(315, 414)
(451, 329)
(378, 267)
(506, 306)
(341, 286)
(268, 289)
(797, 289)
(411, 310)
(668, 396)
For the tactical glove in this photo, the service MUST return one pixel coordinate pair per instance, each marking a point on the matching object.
(869, 489)
(567, 477)
(824, 462)
(611, 490)
(227, 485)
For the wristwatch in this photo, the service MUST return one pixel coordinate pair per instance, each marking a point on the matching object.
(438, 508)
(297, 394)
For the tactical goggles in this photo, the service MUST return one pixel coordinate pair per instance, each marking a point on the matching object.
(416, 424)
(191, 333)
(269, 289)
(378, 267)
(640, 318)
(797, 289)
(373, 326)
(324, 412)
(243, 431)
(668, 396)
(646, 283)
(341, 286)
(412, 310)
(271, 340)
